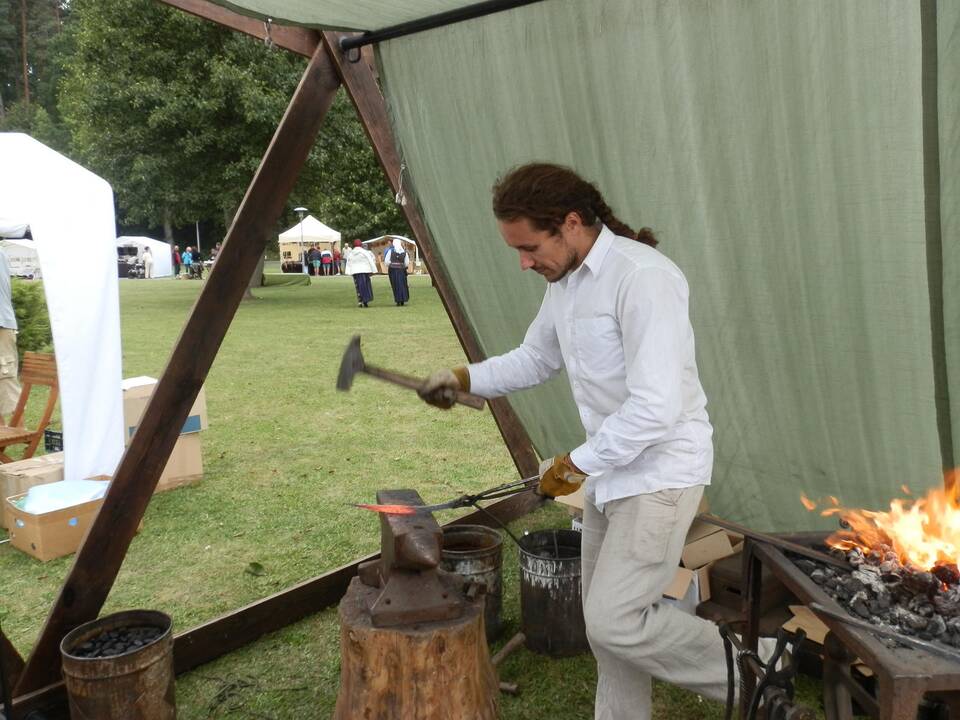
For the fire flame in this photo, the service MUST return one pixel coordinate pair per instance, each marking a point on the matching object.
(389, 509)
(923, 532)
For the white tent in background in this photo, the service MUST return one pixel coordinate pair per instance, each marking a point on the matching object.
(71, 218)
(162, 257)
(313, 232)
(22, 258)
(13, 228)
(301, 237)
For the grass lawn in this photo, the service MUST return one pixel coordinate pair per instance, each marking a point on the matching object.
(284, 455)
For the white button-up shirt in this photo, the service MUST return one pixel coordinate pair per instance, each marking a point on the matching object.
(620, 326)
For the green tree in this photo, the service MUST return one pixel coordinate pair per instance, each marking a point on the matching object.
(346, 187)
(176, 113)
(170, 109)
(27, 30)
(30, 42)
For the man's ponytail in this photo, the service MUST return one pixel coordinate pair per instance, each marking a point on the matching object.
(545, 193)
(606, 216)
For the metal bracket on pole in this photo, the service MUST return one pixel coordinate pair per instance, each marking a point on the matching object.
(488, 7)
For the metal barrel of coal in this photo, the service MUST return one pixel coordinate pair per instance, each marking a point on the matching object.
(121, 666)
(476, 553)
(550, 598)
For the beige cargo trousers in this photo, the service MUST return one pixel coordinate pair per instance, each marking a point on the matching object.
(630, 554)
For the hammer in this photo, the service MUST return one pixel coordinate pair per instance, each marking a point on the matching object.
(353, 363)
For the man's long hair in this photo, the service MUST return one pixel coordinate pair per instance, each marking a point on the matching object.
(545, 193)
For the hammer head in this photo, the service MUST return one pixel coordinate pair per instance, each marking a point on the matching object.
(351, 364)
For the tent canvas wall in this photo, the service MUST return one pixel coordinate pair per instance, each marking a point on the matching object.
(162, 258)
(75, 238)
(809, 195)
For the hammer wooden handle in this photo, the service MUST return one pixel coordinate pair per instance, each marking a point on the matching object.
(464, 398)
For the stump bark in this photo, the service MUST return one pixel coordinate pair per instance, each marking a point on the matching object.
(430, 671)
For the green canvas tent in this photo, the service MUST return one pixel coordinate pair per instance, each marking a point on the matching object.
(800, 162)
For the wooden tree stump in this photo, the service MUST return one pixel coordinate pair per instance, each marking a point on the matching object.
(430, 671)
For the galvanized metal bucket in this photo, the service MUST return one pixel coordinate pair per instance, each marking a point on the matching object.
(551, 609)
(476, 553)
(136, 685)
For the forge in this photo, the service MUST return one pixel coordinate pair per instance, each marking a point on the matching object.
(900, 602)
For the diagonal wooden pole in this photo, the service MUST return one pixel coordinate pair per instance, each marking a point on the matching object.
(12, 662)
(361, 86)
(98, 561)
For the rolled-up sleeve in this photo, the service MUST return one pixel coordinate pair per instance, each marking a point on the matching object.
(652, 309)
(537, 359)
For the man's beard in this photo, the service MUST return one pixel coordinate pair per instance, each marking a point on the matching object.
(569, 266)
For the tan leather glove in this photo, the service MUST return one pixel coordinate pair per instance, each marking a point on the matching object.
(559, 476)
(440, 389)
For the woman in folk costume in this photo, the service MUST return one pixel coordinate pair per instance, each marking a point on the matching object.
(361, 264)
(397, 263)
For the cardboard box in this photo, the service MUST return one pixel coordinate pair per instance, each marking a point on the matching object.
(805, 619)
(705, 549)
(47, 536)
(18, 477)
(688, 589)
(137, 392)
(185, 465)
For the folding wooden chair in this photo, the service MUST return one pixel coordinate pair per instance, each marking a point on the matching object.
(36, 369)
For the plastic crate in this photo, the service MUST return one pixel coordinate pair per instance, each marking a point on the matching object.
(53, 440)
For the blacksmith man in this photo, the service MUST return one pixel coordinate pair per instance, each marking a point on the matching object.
(615, 316)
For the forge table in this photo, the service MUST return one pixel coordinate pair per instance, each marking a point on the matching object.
(903, 675)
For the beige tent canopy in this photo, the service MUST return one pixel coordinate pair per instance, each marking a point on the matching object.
(379, 245)
(303, 236)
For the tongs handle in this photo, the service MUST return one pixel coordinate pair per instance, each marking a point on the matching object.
(510, 488)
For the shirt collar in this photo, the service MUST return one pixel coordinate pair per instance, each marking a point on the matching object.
(598, 252)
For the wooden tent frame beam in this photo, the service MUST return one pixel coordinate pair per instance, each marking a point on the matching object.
(98, 560)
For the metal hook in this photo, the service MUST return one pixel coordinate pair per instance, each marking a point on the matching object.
(351, 54)
(268, 40)
(400, 198)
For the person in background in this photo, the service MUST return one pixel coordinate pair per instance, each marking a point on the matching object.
(176, 261)
(398, 262)
(361, 264)
(337, 261)
(147, 264)
(215, 253)
(197, 266)
(313, 257)
(343, 259)
(9, 363)
(187, 260)
(326, 261)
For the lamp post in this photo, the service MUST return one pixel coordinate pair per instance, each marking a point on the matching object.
(301, 211)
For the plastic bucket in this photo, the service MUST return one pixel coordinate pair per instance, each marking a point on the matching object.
(551, 608)
(476, 553)
(135, 685)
